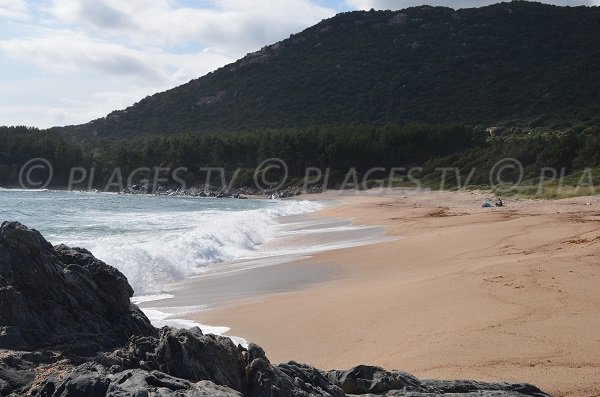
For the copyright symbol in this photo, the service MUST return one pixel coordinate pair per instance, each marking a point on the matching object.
(510, 166)
(261, 175)
(36, 174)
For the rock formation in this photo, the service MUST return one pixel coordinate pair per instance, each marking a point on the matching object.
(68, 329)
(52, 296)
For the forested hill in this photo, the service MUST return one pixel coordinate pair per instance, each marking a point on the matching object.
(518, 60)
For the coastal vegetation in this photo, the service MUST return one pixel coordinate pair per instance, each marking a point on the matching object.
(466, 153)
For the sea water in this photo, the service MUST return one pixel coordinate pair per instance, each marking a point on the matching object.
(153, 240)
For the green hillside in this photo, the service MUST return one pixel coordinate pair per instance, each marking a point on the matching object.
(511, 61)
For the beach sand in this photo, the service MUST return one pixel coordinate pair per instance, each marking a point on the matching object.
(493, 294)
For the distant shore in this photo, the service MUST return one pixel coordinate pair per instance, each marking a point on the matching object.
(489, 293)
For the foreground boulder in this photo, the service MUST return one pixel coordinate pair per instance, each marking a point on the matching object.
(68, 329)
(53, 296)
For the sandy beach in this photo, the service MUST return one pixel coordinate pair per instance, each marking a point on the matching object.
(492, 294)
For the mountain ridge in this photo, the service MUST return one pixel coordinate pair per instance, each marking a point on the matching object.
(517, 60)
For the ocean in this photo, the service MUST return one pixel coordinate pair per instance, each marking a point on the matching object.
(153, 240)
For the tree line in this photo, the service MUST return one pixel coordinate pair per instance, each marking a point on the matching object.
(337, 148)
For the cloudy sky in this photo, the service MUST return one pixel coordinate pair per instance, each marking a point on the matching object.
(70, 61)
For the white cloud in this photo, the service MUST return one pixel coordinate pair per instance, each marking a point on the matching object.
(13, 9)
(86, 79)
(77, 60)
(399, 4)
(231, 25)
(65, 51)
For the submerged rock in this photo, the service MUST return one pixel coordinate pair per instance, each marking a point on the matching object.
(68, 329)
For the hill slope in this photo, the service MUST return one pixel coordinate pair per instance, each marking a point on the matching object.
(428, 64)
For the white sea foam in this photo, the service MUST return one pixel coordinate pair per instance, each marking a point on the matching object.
(159, 318)
(149, 298)
(152, 260)
(18, 190)
(152, 240)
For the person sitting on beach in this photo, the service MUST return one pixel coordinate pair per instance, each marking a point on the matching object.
(499, 203)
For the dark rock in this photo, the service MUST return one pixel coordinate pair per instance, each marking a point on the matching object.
(368, 379)
(254, 351)
(91, 380)
(52, 296)
(15, 375)
(84, 381)
(469, 386)
(310, 379)
(220, 192)
(108, 283)
(188, 355)
(26, 242)
(375, 381)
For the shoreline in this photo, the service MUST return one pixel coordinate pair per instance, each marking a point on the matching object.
(504, 293)
(468, 292)
(242, 192)
(275, 268)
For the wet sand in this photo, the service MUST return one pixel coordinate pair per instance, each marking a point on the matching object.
(278, 266)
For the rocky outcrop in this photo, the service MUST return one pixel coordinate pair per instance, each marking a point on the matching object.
(186, 354)
(367, 379)
(94, 380)
(375, 381)
(68, 329)
(53, 296)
